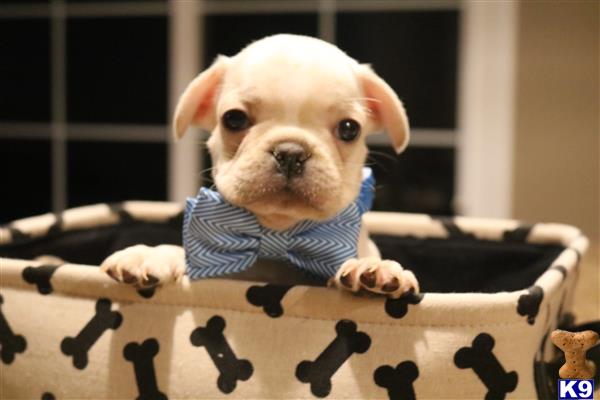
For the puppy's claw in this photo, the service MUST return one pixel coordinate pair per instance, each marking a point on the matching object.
(391, 286)
(369, 278)
(346, 280)
(151, 280)
(113, 275)
(129, 278)
(410, 283)
(148, 282)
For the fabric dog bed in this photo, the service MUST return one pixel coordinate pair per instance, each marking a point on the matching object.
(492, 290)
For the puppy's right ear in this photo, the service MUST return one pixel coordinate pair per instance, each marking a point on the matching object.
(196, 105)
(385, 108)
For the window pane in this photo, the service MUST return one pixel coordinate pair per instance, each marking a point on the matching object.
(117, 70)
(415, 52)
(111, 171)
(419, 180)
(25, 70)
(228, 34)
(26, 178)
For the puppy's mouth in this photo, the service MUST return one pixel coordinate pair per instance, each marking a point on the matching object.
(288, 193)
(290, 179)
(312, 194)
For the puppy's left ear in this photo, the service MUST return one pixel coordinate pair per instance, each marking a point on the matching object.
(196, 105)
(385, 108)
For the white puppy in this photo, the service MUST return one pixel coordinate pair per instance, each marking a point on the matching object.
(289, 116)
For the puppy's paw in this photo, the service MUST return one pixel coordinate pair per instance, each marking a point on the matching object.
(377, 276)
(143, 266)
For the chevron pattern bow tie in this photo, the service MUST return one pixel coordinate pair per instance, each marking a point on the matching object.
(220, 238)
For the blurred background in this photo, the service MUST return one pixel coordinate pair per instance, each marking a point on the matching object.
(502, 98)
(497, 93)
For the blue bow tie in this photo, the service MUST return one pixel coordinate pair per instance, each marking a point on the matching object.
(220, 238)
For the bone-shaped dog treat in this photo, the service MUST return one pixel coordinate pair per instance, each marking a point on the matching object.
(230, 367)
(575, 345)
(398, 381)
(268, 297)
(487, 367)
(40, 276)
(79, 346)
(10, 343)
(142, 357)
(319, 372)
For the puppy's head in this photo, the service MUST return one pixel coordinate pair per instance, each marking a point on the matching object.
(289, 116)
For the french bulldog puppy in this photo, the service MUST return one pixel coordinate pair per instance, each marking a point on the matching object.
(288, 117)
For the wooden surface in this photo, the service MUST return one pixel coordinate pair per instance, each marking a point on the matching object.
(556, 143)
(587, 298)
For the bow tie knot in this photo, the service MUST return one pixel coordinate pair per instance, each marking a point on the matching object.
(220, 238)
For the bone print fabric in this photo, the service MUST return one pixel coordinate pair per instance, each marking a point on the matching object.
(68, 331)
(220, 238)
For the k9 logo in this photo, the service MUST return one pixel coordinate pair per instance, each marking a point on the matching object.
(575, 389)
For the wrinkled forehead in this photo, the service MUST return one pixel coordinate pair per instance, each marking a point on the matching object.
(292, 79)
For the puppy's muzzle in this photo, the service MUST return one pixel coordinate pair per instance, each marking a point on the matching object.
(290, 158)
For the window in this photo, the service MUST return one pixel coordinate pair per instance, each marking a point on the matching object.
(88, 84)
(83, 113)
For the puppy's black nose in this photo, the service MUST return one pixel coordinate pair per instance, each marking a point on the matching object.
(290, 159)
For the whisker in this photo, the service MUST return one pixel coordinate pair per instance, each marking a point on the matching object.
(206, 170)
(383, 154)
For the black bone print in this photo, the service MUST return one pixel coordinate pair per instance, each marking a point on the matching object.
(529, 304)
(176, 221)
(57, 226)
(124, 216)
(17, 235)
(453, 230)
(268, 297)
(79, 346)
(10, 344)
(397, 308)
(40, 276)
(230, 367)
(142, 357)
(147, 292)
(484, 363)
(319, 372)
(560, 269)
(398, 381)
(577, 254)
(545, 386)
(566, 320)
(517, 235)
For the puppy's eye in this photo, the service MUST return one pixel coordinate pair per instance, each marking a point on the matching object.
(347, 130)
(236, 120)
